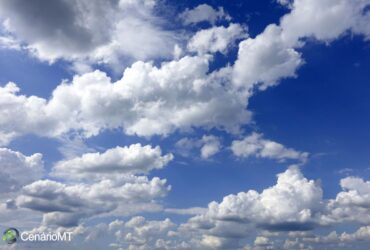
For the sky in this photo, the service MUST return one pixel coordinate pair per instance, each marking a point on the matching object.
(192, 125)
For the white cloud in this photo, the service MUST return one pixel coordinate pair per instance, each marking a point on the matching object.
(88, 31)
(18, 170)
(69, 204)
(325, 19)
(352, 204)
(8, 42)
(302, 200)
(256, 145)
(211, 146)
(265, 59)
(186, 211)
(276, 217)
(293, 204)
(272, 56)
(203, 13)
(146, 101)
(216, 39)
(208, 145)
(134, 159)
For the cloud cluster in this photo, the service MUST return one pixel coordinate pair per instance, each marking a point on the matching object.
(283, 216)
(96, 184)
(159, 99)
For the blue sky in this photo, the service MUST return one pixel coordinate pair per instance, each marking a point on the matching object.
(193, 125)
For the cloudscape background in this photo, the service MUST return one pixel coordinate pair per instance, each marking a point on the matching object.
(174, 125)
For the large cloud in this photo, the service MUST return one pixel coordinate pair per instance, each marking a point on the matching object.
(302, 201)
(325, 19)
(265, 59)
(88, 31)
(272, 55)
(147, 101)
(135, 159)
(67, 205)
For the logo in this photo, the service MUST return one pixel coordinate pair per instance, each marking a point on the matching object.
(10, 235)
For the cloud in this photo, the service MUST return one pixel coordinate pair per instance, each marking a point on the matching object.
(325, 20)
(272, 55)
(144, 102)
(186, 211)
(216, 39)
(284, 216)
(208, 145)
(68, 204)
(352, 204)
(265, 60)
(88, 31)
(18, 170)
(302, 200)
(203, 13)
(134, 159)
(256, 145)
(211, 146)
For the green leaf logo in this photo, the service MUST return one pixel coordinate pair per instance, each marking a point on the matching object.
(10, 235)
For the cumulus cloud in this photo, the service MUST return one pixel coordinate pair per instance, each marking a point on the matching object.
(272, 55)
(18, 170)
(216, 39)
(278, 217)
(265, 60)
(352, 204)
(68, 204)
(146, 101)
(88, 31)
(302, 200)
(203, 13)
(134, 159)
(256, 145)
(325, 20)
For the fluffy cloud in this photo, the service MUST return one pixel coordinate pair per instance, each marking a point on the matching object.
(352, 204)
(211, 146)
(325, 19)
(293, 204)
(265, 59)
(66, 205)
(302, 200)
(216, 39)
(85, 30)
(272, 55)
(135, 159)
(256, 145)
(146, 101)
(203, 13)
(18, 170)
(277, 217)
